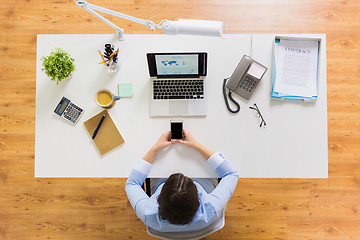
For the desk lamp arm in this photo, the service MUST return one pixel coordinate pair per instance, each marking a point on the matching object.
(182, 26)
(91, 7)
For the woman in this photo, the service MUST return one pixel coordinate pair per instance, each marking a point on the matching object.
(180, 204)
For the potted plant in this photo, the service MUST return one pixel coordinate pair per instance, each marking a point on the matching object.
(58, 65)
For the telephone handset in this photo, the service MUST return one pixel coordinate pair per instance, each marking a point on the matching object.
(244, 80)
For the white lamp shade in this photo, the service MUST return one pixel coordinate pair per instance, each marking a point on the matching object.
(193, 27)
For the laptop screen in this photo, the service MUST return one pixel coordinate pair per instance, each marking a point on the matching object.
(177, 64)
(170, 65)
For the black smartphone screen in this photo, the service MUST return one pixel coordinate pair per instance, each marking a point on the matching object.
(176, 130)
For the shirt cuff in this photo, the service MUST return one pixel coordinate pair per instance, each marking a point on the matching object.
(143, 166)
(215, 160)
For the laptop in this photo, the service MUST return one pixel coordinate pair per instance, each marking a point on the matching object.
(178, 84)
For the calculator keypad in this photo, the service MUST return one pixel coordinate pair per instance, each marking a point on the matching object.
(72, 113)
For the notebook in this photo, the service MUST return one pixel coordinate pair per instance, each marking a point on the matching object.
(108, 136)
(178, 84)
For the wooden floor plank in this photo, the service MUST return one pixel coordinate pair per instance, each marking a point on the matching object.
(98, 208)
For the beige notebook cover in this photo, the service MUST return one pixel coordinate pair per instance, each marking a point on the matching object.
(108, 136)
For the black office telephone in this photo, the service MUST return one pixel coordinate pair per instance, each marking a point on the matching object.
(243, 81)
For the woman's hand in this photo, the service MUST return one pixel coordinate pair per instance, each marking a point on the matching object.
(190, 141)
(163, 142)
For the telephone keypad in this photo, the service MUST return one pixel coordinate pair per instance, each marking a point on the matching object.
(247, 83)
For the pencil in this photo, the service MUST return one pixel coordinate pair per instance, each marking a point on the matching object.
(102, 57)
(103, 62)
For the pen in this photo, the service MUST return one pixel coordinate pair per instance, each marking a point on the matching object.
(98, 127)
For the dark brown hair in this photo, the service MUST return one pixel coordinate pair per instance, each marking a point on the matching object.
(178, 200)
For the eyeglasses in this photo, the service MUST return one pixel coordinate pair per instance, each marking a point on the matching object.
(255, 107)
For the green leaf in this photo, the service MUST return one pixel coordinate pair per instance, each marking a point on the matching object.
(58, 65)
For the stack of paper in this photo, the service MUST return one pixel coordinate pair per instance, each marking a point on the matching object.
(295, 68)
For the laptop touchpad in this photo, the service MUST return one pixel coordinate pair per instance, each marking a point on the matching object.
(178, 107)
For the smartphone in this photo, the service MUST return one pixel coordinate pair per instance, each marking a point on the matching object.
(176, 127)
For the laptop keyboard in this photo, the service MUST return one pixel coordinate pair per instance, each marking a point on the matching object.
(178, 89)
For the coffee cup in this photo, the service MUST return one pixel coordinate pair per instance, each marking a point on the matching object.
(106, 99)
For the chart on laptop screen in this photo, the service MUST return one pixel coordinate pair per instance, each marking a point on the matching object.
(177, 64)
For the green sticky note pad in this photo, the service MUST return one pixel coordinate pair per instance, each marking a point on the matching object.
(125, 90)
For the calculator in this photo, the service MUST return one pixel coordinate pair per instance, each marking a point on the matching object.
(68, 110)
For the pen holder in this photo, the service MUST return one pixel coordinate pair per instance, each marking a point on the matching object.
(110, 58)
(113, 66)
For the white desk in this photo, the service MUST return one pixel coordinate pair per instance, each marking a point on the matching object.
(293, 144)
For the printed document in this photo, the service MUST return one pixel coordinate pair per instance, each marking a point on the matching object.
(296, 63)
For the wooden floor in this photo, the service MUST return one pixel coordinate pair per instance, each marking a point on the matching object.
(260, 208)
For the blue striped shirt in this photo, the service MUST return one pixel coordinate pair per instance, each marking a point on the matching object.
(211, 204)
